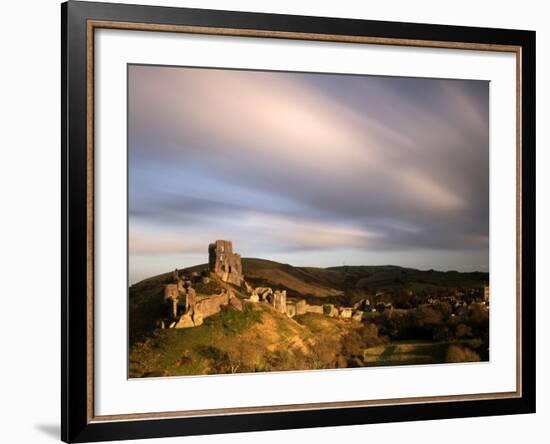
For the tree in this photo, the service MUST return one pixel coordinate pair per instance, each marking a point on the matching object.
(369, 335)
(324, 352)
(463, 331)
(458, 353)
(352, 348)
(445, 309)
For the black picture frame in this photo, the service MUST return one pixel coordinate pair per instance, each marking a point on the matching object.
(77, 328)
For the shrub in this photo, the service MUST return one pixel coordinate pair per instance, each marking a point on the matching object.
(463, 330)
(184, 360)
(324, 353)
(210, 352)
(478, 317)
(445, 309)
(426, 316)
(369, 335)
(352, 345)
(442, 333)
(458, 353)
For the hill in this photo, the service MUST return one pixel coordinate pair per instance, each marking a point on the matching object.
(256, 339)
(259, 338)
(335, 281)
(348, 284)
(338, 285)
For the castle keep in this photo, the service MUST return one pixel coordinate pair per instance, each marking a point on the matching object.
(224, 263)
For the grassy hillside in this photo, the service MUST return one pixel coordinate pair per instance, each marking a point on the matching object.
(146, 302)
(260, 339)
(298, 281)
(145, 306)
(255, 340)
(389, 276)
(340, 285)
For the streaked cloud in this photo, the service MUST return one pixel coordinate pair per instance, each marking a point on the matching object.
(302, 164)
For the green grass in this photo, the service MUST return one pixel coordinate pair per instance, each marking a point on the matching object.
(320, 324)
(189, 351)
(210, 288)
(233, 322)
(408, 353)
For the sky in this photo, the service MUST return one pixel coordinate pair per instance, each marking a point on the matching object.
(307, 169)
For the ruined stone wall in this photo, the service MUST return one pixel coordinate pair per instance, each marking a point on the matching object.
(211, 305)
(264, 293)
(301, 307)
(346, 312)
(291, 310)
(314, 309)
(171, 292)
(333, 311)
(190, 298)
(224, 263)
(279, 301)
(171, 299)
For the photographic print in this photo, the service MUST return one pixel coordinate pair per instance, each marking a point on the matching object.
(286, 221)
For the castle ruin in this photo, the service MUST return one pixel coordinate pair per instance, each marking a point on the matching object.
(279, 301)
(224, 263)
(187, 307)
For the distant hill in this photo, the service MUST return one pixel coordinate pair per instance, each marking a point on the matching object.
(391, 276)
(336, 281)
(298, 281)
(346, 284)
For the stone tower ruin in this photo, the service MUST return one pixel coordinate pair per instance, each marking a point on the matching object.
(224, 263)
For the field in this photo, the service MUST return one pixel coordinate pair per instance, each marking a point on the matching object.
(409, 353)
